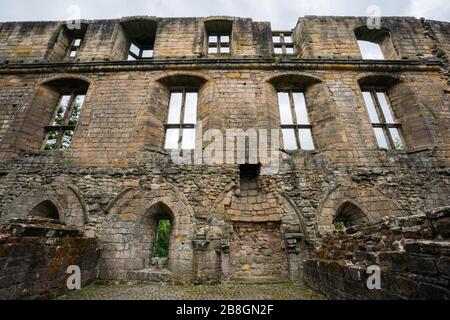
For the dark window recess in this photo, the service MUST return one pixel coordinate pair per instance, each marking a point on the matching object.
(283, 43)
(385, 127)
(140, 51)
(45, 209)
(141, 36)
(218, 37)
(75, 47)
(350, 215)
(60, 133)
(249, 179)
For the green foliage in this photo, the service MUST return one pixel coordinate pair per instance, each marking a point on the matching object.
(162, 241)
(339, 225)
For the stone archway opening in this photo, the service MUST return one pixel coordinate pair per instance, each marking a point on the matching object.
(161, 222)
(45, 209)
(349, 215)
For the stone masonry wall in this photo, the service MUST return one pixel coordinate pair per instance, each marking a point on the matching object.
(413, 254)
(116, 178)
(34, 257)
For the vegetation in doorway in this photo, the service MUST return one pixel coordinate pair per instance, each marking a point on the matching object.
(162, 239)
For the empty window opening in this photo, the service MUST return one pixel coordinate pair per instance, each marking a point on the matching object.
(75, 47)
(295, 126)
(141, 36)
(218, 36)
(349, 215)
(45, 209)
(161, 248)
(386, 129)
(249, 178)
(181, 120)
(69, 42)
(370, 51)
(60, 133)
(375, 44)
(139, 51)
(283, 43)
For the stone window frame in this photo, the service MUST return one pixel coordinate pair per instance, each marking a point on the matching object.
(219, 44)
(142, 49)
(383, 123)
(181, 125)
(219, 28)
(282, 44)
(141, 32)
(381, 37)
(296, 126)
(75, 47)
(65, 125)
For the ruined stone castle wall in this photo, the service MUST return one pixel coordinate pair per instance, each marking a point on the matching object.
(116, 172)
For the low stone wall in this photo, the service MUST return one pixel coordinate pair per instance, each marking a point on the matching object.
(413, 254)
(34, 257)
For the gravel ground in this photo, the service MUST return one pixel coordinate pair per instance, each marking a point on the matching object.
(284, 291)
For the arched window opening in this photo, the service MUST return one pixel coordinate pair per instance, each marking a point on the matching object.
(162, 218)
(141, 36)
(45, 209)
(386, 128)
(375, 44)
(295, 124)
(349, 215)
(69, 41)
(182, 115)
(70, 96)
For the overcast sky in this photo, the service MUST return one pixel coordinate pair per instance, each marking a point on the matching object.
(282, 13)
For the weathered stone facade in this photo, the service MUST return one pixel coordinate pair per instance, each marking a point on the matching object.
(116, 179)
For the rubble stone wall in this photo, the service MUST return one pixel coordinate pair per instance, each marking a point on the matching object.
(413, 254)
(35, 255)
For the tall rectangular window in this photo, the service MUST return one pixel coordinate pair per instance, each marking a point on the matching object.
(60, 133)
(386, 129)
(181, 120)
(283, 43)
(295, 125)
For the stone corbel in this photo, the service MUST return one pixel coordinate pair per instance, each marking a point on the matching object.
(225, 245)
(293, 241)
(200, 245)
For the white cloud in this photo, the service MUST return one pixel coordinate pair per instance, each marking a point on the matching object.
(430, 9)
(283, 14)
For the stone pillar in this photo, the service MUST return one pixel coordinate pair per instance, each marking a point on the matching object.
(293, 241)
(200, 247)
(225, 259)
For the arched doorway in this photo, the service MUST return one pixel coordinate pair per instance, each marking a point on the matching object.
(160, 220)
(350, 215)
(45, 209)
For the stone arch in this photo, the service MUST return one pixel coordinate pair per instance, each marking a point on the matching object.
(127, 234)
(68, 204)
(41, 111)
(45, 209)
(319, 102)
(350, 214)
(371, 201)
(416, 132)
(156, 111)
